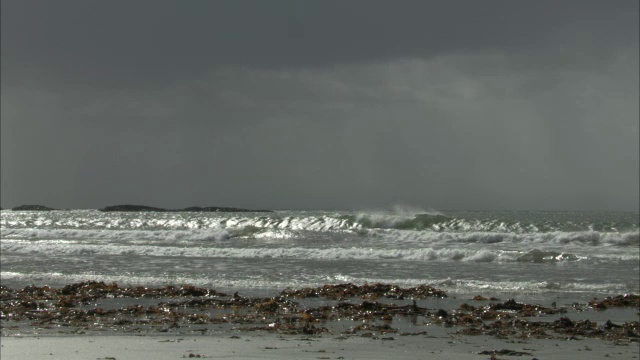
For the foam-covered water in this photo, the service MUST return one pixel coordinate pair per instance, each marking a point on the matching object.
(533, 252)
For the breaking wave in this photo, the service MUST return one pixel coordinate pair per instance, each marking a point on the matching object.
(329, 221)
(386, 236)
(55, 247)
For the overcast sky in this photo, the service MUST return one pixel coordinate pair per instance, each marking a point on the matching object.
(297, 104)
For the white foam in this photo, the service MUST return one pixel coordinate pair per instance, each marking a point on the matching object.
(47, 247)
(460, 285)
(589, 238)
(208, 234)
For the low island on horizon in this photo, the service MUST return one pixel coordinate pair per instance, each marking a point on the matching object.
(144, 208)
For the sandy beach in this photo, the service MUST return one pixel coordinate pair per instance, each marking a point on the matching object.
(94, 320)
(277, 347)
(272, 346)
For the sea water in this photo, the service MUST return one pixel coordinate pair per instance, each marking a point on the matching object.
(538, 254)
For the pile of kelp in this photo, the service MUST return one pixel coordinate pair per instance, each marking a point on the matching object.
(189, 308)
(367, 291)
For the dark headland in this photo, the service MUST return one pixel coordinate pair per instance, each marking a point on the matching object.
(32, 208)
(142, 208)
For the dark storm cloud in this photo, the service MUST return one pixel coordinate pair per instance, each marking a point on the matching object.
(126, 42)
(457, 104)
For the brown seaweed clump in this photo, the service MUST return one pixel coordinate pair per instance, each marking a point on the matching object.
(627, 300)
(190, 308)
(87, 291)
(367, 291)
(363, 311)
(93, 290)
(561, 328)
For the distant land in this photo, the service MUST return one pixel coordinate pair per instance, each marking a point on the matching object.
(32, 208)
(143, 208)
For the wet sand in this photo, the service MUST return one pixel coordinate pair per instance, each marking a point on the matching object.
(94, 320)
(273, 346)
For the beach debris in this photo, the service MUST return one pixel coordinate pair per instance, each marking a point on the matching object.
(192, 355)
(186, 309)
(368, 291)
(413, 333)
(505, 352)
(381, 329)
(627, 300)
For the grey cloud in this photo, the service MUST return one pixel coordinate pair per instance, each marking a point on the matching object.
(139, 43)
(303, 106)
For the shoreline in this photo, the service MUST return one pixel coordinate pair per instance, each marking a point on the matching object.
(98, 320)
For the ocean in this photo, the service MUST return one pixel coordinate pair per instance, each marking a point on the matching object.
(539, 254)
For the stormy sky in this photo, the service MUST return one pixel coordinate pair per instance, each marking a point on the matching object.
(297, 104)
